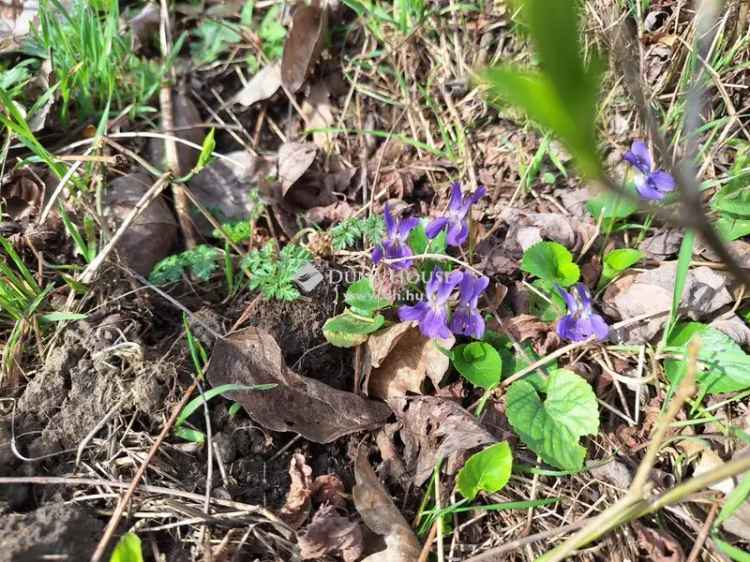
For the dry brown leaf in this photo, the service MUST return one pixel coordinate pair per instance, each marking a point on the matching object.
(659, 545)
(313, 409)
(21, 194)
(392, 463)
(526, 326)
(222, 187)
(734, 327)
(526, 229)
(614, 472)
(399, 358)
(662, 245)
(145, 25)
(317, 112)
(328, 488)
(295, 158)
(375, 506)
(17, 18)
(650, 292)
(262, 86)
(331, 533)
(433, 429)
(303, 44)
(151, 236)
(296, 507)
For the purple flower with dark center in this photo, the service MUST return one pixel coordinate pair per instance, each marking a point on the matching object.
(651, 184)
(432, 312)
(454, 220)
(581, 322)
(394, 244)
(466, 319)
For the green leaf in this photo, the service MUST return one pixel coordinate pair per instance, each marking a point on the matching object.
(723, 365)
(734, 197)
(611, 207)
(479, 363)
(548, 311)
(734, 501)
(213, 38)
(128, 549)
(198, 401)
(683, 266)
(209, 144)
(617, 261)
(733, 552)
(551, 428)
(486, 471)
(361, 297)
(731, 227)
(190, 435)
(349, 329)
(564, 95)
(60, 316)
(551, 262)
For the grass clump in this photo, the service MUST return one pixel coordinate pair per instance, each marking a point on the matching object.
(92, 61)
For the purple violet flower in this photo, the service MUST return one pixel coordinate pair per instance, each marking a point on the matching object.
(432, 313)
(466, 319)
(651, 184)
(454, 220)
(394, 244)
(581, 322)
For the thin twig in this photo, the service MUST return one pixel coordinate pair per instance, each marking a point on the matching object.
(181, 206)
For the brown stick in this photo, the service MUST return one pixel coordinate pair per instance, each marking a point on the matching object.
(181, 204)
(115, 519)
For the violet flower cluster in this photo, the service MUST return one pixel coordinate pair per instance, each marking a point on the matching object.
(433, 313)
(581, 322)
(652, 184)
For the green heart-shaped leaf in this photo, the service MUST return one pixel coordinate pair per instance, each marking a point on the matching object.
(479, 363)
(551, 262)
(488, 471)
(551, 428)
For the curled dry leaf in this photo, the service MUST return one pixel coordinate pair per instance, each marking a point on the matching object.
(295, 158)
(614, 472)
(222, 187)
(331, 533)
(151, 236)
(399, 358)
(526, 326)
(328, 488)
(650, 292)
(145, 25)
(375, 506)
(526, 229)
(661, 245)
(21, 194)
(433, 429)
(734, 327)
(659, 545)
(309, 407)
(739, 249)
(303, 44)
(296, 507)
(262, 86)
(186, 117)
(17, 18)
(317, 112)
